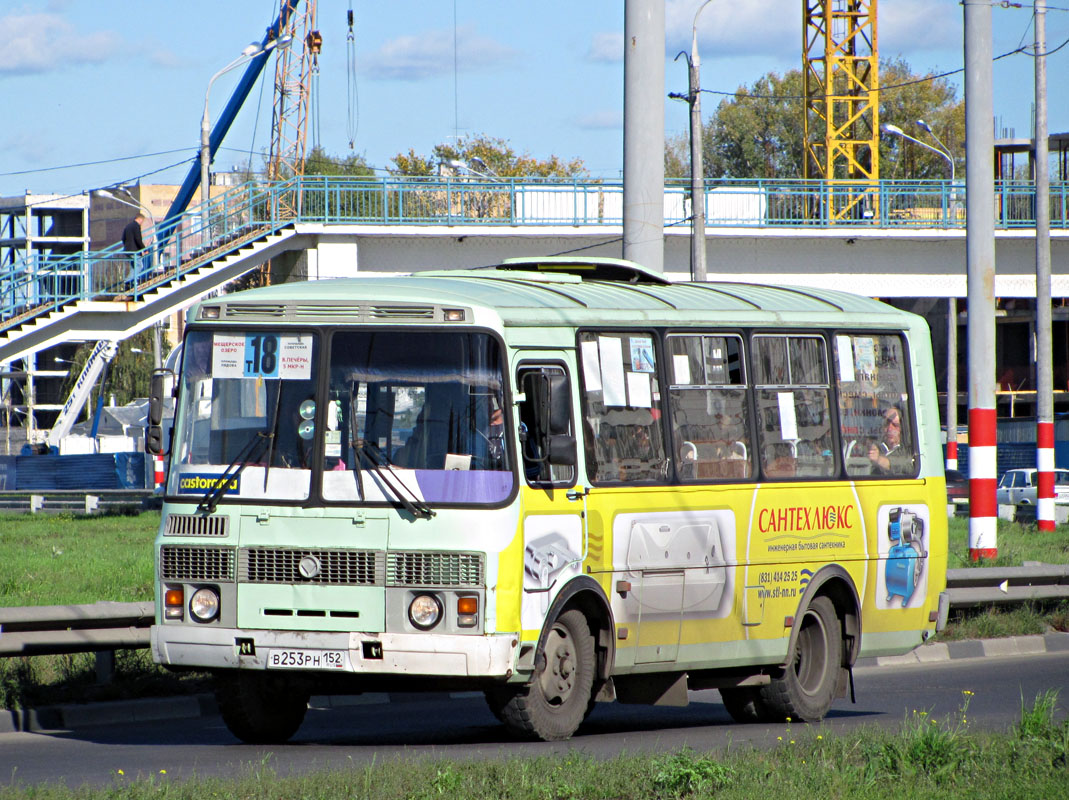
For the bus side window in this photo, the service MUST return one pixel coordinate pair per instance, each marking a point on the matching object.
(539, 434)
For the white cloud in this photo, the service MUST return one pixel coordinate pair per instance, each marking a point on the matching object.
(601, 120)
(427, 55)
(606, 48)
(45, 42)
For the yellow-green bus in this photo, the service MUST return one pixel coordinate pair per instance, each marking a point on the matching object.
(556, 480)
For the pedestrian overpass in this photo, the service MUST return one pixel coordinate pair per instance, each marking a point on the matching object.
(909, 241)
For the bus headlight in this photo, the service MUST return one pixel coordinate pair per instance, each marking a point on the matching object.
(204, 605)
(425, 611)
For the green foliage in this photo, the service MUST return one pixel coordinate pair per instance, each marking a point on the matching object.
(129, 373)
(499, 158)
(759, 132)
(319, 162)
(686, 773)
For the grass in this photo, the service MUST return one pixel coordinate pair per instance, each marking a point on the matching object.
(63, 559)
(1016, 544)
(924, 757)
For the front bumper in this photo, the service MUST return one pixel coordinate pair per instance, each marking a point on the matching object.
(443, 655)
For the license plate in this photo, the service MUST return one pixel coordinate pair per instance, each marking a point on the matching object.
(308, 659)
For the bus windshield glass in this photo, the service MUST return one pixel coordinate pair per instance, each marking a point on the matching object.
(248, 403)
(416, 412)
(410, 418)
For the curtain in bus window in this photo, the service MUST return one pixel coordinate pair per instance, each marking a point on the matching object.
(424, 409)
(622, 407)
(793, 407)
(708, 408)
(874, 409)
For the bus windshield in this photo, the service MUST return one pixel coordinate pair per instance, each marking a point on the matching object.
(408, 417)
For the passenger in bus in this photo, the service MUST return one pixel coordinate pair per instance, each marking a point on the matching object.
(888, 456)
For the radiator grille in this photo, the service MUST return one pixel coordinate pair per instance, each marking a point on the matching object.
(341, 567)
(196, 525)
(180, 563)
(434, 569)
(237, 310)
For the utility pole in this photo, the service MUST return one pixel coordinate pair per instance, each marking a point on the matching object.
(1044, 349)
(697, 170)
(644, 133)
(980, 255)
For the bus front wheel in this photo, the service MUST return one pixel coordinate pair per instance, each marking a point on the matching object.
(807, 686)
(259, 708)
(557, 698)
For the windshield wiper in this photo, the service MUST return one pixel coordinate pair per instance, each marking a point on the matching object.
(414, 506)
(213, 496)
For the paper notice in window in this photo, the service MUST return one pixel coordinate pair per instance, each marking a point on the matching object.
(591, 366)
(638, 390)
(788, 422)
(611, 350)
(295, 357)
(681, 368)
(846, 359)
(228, 352)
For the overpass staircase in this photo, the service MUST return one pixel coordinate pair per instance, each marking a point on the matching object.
(110, 294)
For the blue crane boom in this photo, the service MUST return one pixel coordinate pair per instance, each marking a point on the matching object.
(225, 120)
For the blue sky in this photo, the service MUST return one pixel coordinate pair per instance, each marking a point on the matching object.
(98, 80)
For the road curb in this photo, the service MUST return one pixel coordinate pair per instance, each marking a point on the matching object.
(120, 712)
(936, 652)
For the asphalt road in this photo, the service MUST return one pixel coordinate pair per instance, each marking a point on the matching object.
(463, 728)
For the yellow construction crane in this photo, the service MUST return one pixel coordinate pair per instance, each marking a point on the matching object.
(842, 114)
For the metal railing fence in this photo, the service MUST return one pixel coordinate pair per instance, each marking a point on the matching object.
(29, 288)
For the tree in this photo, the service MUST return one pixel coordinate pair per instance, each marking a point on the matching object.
(758, 132)
(496, 154)
(319, 162)
(129, 373)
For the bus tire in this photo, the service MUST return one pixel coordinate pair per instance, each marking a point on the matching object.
(557, 698)
(745, 705)
(806, 688)
(259, 708)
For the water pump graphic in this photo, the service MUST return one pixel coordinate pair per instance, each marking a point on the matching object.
(905, 560)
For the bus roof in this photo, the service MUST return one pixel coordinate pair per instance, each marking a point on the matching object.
(551, 291)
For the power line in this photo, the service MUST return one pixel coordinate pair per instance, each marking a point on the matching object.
(96, 163)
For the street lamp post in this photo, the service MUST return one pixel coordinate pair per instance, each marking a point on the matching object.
(952, 305)
(251, 51)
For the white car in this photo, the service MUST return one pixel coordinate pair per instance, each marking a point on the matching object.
(1020, 486)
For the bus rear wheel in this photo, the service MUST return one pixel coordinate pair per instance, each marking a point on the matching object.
(259, 708)
(807, 686)
(557, 699)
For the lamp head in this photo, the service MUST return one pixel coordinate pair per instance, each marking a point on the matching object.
(924, 126)
(887, 127)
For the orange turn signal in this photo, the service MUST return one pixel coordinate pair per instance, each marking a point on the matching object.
(173, 597)
(468, 605)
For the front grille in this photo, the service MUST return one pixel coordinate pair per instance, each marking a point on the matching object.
(434, 569)
(340, 567)
(181, 563)
(196, 525)
(322, 310)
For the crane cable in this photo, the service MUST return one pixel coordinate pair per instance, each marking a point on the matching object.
(353, 93)
(313, 44)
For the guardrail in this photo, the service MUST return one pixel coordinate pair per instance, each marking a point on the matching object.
(53, 630)
(43, 630)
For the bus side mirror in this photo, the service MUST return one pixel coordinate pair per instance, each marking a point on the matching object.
(161, 378)
(559, 405)
(562, 450)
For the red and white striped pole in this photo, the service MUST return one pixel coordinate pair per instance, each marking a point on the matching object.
(980, 258)
(1044, 350)
(157, 471)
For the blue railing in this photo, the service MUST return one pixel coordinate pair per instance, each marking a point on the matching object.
(30, 288)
